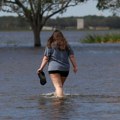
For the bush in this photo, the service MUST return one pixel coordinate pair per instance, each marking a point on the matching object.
(108, 38)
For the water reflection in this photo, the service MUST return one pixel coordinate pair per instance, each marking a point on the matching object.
(55, 109)
(78, 107)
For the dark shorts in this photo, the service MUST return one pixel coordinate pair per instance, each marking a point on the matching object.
(62, 73)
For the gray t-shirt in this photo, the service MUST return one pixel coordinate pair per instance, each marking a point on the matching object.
(58, 59)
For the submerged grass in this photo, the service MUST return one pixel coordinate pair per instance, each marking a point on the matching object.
(108, 38)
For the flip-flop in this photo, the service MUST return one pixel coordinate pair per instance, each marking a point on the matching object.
(42, 78)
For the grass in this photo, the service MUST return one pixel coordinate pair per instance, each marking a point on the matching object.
(108, 38)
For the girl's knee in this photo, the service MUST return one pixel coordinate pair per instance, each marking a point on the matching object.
(60, 86)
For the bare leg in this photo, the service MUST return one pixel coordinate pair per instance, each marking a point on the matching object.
(63, 80)
(57, 82)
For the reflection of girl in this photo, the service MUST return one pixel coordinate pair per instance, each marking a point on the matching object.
(57, 55)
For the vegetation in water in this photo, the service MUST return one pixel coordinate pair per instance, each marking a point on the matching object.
(108, 38)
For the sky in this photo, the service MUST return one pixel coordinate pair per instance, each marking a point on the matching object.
(84, 9)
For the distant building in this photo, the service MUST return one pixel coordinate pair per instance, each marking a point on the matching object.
(80, 23)
(98, 28)
(47, 28)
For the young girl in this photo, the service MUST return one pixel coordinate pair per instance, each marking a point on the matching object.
(57, 55)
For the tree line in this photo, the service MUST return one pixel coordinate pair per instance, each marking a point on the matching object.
(67, 23)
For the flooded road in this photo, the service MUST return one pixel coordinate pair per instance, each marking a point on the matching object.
(91, 94)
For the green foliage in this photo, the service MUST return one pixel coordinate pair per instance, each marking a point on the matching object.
(14, 23)
(108, 38)
(113, 5)
(101, 21)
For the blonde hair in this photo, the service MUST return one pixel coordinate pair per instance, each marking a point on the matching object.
(58, 38)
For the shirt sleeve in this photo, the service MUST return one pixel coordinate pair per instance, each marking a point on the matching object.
(48, 52)
(70, 50)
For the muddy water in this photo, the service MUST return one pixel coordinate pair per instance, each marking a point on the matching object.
(91, 94)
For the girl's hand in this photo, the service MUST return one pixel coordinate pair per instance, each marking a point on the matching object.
(75, 69)
(39, 70)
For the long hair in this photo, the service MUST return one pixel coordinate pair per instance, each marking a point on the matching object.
(58, 38)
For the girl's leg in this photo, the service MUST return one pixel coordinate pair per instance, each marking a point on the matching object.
(63, 80)
(64, 75)
(57, 82)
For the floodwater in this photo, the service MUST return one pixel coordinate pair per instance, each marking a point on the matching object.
(23, 39)
(91, 94)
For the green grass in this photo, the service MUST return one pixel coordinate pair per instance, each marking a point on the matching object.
(108, 38)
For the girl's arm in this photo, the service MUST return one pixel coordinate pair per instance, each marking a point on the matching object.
(44, 62)
(73, 61)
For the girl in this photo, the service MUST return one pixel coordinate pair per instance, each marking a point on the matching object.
(57, 55)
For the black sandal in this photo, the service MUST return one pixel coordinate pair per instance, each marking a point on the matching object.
(42, 78)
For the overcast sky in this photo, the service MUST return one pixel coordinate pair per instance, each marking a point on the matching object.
(88, 8)
(84, 9)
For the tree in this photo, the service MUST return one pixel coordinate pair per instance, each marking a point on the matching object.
(113, 5)
(37, 12)
(1, 1)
